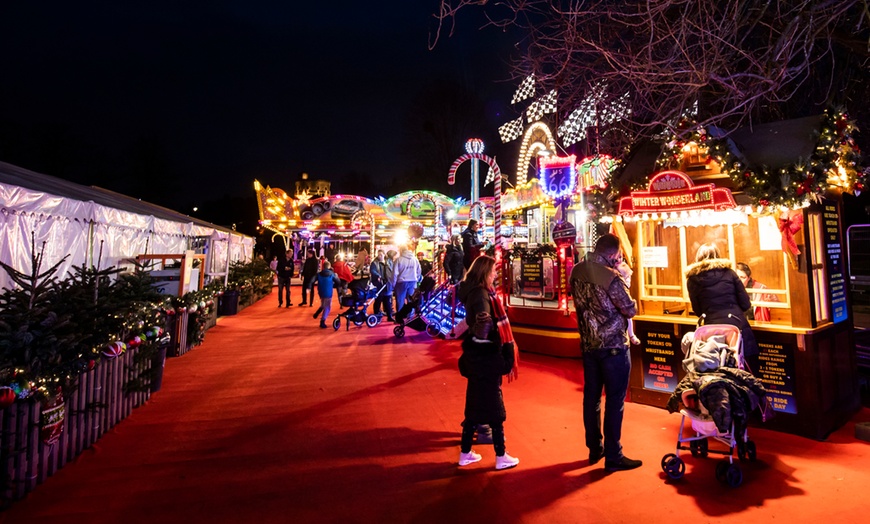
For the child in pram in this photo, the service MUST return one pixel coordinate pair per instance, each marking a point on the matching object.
(718, 396)
(360, 294)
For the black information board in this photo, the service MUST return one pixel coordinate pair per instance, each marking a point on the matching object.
(661, 357)
(776, 371)
(834, 255)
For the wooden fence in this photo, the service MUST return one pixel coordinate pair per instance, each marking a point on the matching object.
(100, 401)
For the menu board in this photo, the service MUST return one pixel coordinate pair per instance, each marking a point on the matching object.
(776, 371)
(532, 278)
(662, 359)
(834, 255)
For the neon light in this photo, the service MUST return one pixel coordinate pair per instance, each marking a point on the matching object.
(532, 143)
(674, 191)
(558, 176)
(595, 171)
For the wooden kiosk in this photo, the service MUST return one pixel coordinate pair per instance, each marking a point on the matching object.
(807, 356)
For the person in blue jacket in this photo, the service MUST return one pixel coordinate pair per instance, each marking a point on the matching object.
(326, 283)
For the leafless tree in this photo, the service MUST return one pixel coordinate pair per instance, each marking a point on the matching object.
(740, 61)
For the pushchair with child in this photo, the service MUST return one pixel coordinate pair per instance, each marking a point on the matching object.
(360, 294)
(410, 315)
(717, 397)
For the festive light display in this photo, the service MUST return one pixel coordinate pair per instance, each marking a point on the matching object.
(511, 130)
(592, 112)
(834, 164)
(671, 191)
(525, 90)
(538, 138)
(595, 171)
(543, 106)
(558, 176)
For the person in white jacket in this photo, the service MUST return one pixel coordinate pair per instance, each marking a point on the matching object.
(406, 274)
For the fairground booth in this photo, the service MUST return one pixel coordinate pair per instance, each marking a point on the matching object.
(790, 236)
(769, 198)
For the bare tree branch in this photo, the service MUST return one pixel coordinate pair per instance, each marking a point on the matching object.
(741, 61)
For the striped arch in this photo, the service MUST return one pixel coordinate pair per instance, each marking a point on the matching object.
(488, 160)
(538, 138)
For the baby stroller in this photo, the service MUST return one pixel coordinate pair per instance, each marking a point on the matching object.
(411, 314)
(361, 294)
(713, 353)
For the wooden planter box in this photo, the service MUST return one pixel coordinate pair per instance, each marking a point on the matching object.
(93, 408)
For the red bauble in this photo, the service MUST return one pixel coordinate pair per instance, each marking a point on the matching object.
(114, 349)
(7, 397)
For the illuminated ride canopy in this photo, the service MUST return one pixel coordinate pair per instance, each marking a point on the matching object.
(356, 216)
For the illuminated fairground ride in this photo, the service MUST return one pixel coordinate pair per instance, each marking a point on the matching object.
(349, 223)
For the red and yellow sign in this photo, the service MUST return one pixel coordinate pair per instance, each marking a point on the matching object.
(674, 191)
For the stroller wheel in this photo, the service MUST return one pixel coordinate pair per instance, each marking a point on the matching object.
(728, 473)
(673, 466)
(358, 323)
(336, 323)
(372, 320)
(433, 330)
(399, 331)
(699, 448)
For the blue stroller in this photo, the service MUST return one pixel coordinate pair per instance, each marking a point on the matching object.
(360, 296)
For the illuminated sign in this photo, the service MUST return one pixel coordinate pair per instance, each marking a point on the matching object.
(558, 176)
(674, 191)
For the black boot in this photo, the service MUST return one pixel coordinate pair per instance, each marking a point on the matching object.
(319, 311)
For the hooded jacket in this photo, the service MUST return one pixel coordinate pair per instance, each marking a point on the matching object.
(603, 304)
(406, 268)
(326, 282)
(716, 292)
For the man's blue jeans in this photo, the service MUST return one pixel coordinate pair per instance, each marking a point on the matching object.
(605, 370)
(403, 291)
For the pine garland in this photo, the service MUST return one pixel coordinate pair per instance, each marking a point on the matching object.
(796, 184)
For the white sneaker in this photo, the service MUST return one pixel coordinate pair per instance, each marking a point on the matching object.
(468, 458)
(506, 462)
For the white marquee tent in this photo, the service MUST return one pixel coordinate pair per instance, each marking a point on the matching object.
(100, 228)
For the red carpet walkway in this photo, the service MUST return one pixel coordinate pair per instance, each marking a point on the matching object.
(275, 420)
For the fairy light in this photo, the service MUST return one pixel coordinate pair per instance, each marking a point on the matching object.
(538, 137)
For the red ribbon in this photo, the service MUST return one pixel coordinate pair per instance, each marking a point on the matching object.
(789, 224)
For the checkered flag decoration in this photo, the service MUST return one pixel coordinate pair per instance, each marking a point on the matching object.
(592, 112)
(542, 106)
(525, 90)
(511, 130)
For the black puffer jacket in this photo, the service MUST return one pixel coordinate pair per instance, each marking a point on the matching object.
(716, 291)
(453, 262)
(483, 363)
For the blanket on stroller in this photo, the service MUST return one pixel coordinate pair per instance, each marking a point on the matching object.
(729, 394)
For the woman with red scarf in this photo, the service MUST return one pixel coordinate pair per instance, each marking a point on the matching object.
(488, 353)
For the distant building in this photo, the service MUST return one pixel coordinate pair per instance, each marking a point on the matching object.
(314, 188)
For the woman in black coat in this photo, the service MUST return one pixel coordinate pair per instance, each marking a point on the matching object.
(718, 295)
(453, 260)
(485, 359)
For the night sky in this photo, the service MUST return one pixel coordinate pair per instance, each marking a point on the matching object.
(186, 103)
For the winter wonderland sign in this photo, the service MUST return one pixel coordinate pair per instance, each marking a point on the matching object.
(674, 191)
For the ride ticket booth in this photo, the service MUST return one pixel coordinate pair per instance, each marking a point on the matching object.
(807, 356)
